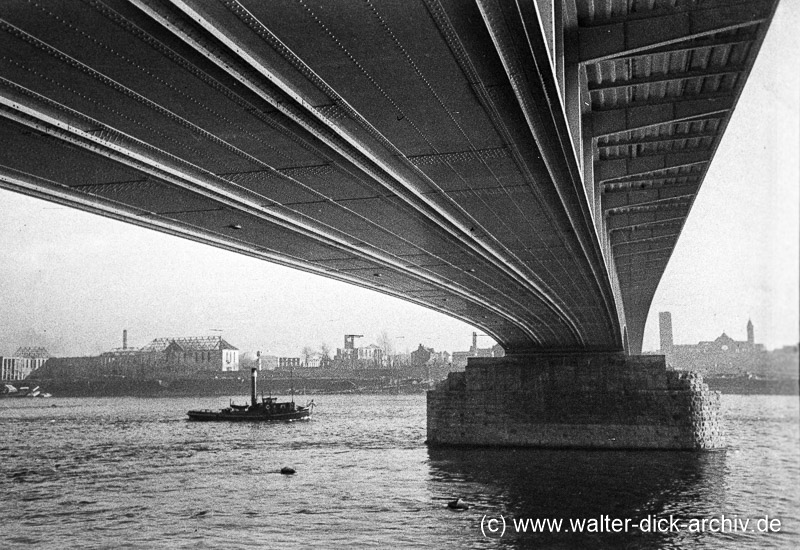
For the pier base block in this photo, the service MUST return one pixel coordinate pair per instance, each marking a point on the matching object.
(581, 400)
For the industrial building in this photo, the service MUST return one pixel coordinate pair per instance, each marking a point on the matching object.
(290, 363)
(22, 363)
(353, 357)
(193, 354)
(15, 368)
(460, 357)
(178, 356)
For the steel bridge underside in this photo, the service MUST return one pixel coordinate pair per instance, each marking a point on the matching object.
(526, 167)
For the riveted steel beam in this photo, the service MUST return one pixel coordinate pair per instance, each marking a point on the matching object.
(27, 184)
(634, 168)
(125, 150)
(660, 78)
(532, 76)
(664, 250)
(660, 28)
(692, 45)
(629, 201)
(645, 224)
(626, 118)
(384, 163)
(665, 236)
(657, 139)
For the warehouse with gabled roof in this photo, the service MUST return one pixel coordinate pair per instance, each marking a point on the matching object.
(191, 354)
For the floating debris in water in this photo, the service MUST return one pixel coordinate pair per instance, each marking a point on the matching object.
(287, 471)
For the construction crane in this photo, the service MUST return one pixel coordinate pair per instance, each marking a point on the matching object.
(350, 340)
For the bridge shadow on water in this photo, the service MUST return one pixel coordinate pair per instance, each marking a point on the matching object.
(584, 485)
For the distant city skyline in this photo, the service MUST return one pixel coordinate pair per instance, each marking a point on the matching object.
(738, 256)
(72, 281)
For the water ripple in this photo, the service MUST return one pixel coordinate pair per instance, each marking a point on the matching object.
(134, 473)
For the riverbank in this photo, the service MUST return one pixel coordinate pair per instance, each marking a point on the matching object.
(221, 386)
(753, 386)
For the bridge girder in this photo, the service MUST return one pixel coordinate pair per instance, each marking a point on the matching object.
(523, 166)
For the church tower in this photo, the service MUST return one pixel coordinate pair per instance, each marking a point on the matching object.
(750, 337)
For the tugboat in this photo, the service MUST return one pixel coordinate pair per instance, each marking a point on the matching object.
(268, 410)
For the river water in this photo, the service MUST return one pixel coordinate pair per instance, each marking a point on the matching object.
(133, 473)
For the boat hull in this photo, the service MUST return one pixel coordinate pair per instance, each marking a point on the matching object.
(247, 416)
(268, 410)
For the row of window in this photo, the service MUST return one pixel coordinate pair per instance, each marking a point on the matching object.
(205, 356)
(17, 368)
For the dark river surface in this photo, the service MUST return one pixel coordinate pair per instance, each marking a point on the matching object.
(133, 473)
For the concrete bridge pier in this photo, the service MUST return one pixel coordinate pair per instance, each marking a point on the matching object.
(580, 400)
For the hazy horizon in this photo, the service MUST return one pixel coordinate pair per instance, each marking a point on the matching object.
(72, 281)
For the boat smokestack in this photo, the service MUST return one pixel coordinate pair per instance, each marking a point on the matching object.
(253, 378)
(125, 339)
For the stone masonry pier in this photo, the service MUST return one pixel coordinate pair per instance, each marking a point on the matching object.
(580, 400)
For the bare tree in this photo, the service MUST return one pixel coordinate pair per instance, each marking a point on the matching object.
(306, 354)
(325, 354)
(385, 342)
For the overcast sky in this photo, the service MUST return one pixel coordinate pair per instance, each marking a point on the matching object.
(737, 257)
(73, 281)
